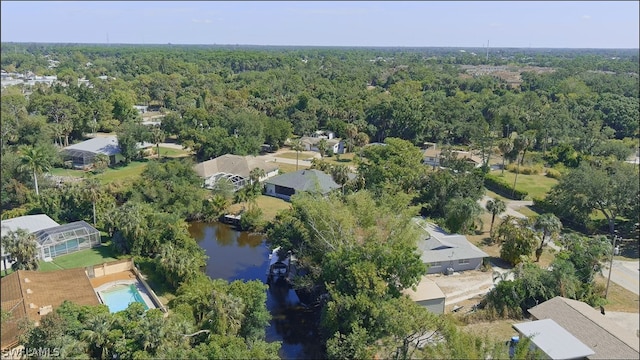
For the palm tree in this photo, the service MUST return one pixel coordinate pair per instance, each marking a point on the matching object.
(97, 333)
(256, 174)
(351, 131)
(92, 192)
(340, 174)
(505, 146)
(21, 247)
(550, 226)
(323, 148)
(100, 162)
(35, 160)
(495, 207)
(296, 146)
(158, 136)
(523, 143)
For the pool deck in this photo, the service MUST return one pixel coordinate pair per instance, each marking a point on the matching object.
(125, 275)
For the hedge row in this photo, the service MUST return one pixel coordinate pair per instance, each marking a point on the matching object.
(500, 186)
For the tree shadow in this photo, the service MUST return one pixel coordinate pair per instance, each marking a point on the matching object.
(487, 241)
(499, 262)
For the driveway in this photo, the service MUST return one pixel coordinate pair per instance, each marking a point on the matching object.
(625, 274)
(512, 206)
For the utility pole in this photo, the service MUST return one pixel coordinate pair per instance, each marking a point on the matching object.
(613, 250)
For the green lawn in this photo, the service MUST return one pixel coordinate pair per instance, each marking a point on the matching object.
(270, 206)
(535, 185)
(130, 171)
(286, 168)
(292, 155)
(345, 159)
(169, 152)
(88, 257)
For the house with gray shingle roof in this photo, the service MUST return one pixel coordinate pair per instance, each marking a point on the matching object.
(83, 154)
(235, 168)
(606, 338)
(443, 251)
(310, 180)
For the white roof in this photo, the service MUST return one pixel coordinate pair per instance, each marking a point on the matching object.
(107, 145)
(31, 223)
(553, 339)
(426, 290)
(441, 247)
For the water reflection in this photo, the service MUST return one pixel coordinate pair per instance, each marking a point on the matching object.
(235, 255)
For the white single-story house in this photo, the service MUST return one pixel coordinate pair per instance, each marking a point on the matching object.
(552, 340)
(82, 154)
(141, 108)
(601, 334)
(235, 168)
(445, 253)
(428, 294)
(432, 156)
(52, 239)
(311, 180)
(311, 144)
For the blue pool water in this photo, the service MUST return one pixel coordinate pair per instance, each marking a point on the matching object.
(119, 297)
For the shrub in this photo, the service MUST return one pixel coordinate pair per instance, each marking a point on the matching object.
(554, 174)
(526, 170)
(251, 219)
(500, 186)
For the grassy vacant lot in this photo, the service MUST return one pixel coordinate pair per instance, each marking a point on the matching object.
(619, 298)
(292, 155)
(535, 185)
(345, 159)
(270, 206)
(173, 153)
(286, 168)
(88, 257)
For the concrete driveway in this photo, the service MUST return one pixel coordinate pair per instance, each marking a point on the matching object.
(625, 274)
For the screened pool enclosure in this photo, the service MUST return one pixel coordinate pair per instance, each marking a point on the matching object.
(66, 239)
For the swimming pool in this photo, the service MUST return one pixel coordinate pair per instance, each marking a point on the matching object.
(118, 297)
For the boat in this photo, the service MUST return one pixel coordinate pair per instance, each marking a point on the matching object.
(279, 266)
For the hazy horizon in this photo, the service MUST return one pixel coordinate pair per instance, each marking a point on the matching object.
(375, 24)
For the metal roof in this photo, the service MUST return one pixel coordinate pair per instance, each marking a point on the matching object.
(107, 145)
(553, 340)
(440, 247)
(604, 336)
(427, 289)
(305, 180)
(31, 223)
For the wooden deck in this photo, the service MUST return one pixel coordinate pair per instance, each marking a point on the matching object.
(125, 275)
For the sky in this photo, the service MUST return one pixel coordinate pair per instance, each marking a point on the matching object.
(537, 24)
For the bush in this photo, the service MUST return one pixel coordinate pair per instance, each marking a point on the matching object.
(251, 219)
(500, 186)
(554, 174)
(525, 170)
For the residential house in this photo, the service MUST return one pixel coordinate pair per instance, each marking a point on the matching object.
(141, 108)
(234, 168)
(311, 143)
(553, 340)
(432, 156)
(446, 253)
(602, 335)
(83, 154)
(428, 294)
(29, 295)
(311, 180)
(52, 239)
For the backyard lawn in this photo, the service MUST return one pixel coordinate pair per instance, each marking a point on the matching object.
(303, 155)
(173, 153)
(286, 168)
(88, 257)
(535, 185)
(270, 206)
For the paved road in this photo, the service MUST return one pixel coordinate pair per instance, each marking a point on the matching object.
(512, 206)
(625, 274)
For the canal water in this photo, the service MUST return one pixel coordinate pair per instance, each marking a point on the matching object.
(235, 255)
